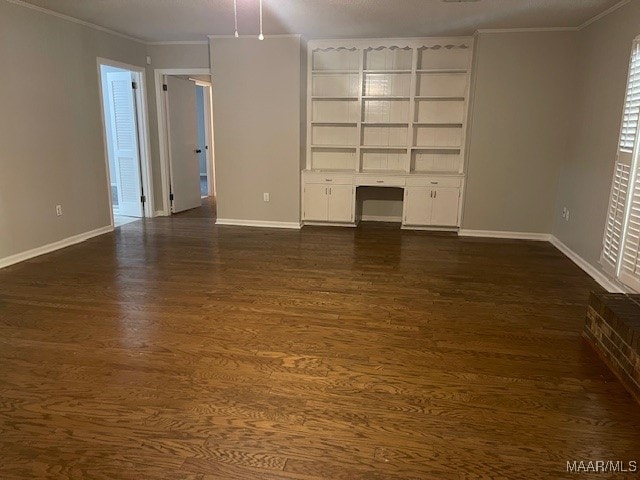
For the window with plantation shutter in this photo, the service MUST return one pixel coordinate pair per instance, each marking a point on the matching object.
(631, 104)
(621, 243)
(615, 216)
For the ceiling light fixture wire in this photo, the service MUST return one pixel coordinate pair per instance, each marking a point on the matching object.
(261, 36)
(235, 17)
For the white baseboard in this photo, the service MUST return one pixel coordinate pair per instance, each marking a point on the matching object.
(257, 223)
(381, 218)
(329, 224)
(604, 281)
(430, 229)
(542, 237)
(160, 213)
(51, 247)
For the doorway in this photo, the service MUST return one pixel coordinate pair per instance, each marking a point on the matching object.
(122, 101)
(205, 137)
(185, 129)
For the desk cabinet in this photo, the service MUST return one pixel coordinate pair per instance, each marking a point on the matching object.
(329, 203)
(431, 206)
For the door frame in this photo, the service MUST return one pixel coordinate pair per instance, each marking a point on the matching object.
(163, 133)
(144, 143)
(208, 132)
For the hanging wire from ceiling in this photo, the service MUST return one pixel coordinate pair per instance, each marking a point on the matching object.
(261, 36)
(235, 17)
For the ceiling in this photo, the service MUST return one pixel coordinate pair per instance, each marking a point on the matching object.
(189, 20)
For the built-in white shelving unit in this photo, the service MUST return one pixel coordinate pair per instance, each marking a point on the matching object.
(394, 106)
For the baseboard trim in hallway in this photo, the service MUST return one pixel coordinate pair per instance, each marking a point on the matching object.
(52, 247)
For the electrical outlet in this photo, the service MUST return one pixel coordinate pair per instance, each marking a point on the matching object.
(58, 210)
(564, 212)
(265, 197)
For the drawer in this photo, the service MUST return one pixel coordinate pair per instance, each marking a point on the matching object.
(434, 182)
(328, 178)
(379, 181)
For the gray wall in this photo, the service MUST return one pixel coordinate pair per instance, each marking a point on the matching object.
(518, 134)
(587, 170)
(162, 57)
(256, 95)
(51, 136)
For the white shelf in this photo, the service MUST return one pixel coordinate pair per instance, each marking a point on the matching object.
(334, 72)
(382, 97)
(442, 98)
(441, 70)
(383, 147)
(386, 124)
(339, 124)
(384, 72)
(333, 98)
(339, 147)
(392, 97)
(432, 124)
(436, 148)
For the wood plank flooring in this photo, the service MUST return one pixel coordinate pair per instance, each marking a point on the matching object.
(175, 349)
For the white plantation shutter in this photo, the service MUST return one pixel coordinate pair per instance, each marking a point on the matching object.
(631, 104)
(621, 244)
(615, 216)
(125, 143)
(629, 268)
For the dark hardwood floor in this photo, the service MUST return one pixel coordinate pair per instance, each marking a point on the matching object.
(175, 349)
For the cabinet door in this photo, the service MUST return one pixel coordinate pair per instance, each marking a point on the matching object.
(417, 205)
(341, 203)
(315, 202)
(445, 207)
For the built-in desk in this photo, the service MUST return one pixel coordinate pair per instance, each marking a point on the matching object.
(429, 201)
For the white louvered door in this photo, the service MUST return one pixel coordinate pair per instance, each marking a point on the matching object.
(125, 143)
(621, 245)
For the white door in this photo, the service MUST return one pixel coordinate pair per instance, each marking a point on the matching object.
(183, 144)
(445, 207)
(124, 140)
(418, 203)
(315, 202)
(340, 203)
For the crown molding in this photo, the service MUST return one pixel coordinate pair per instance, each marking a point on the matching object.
(525, 30)
(77, 21)
(267, 36)
(609, 10)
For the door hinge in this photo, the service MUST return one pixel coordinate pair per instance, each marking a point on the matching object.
(134, 85)
(171, 197)
(143, 198)
(164, 87)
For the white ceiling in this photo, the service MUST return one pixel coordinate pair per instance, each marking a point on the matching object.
(185, 20)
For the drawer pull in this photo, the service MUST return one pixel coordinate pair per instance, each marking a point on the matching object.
(434, 183)
(328, 180)
(379, 181)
